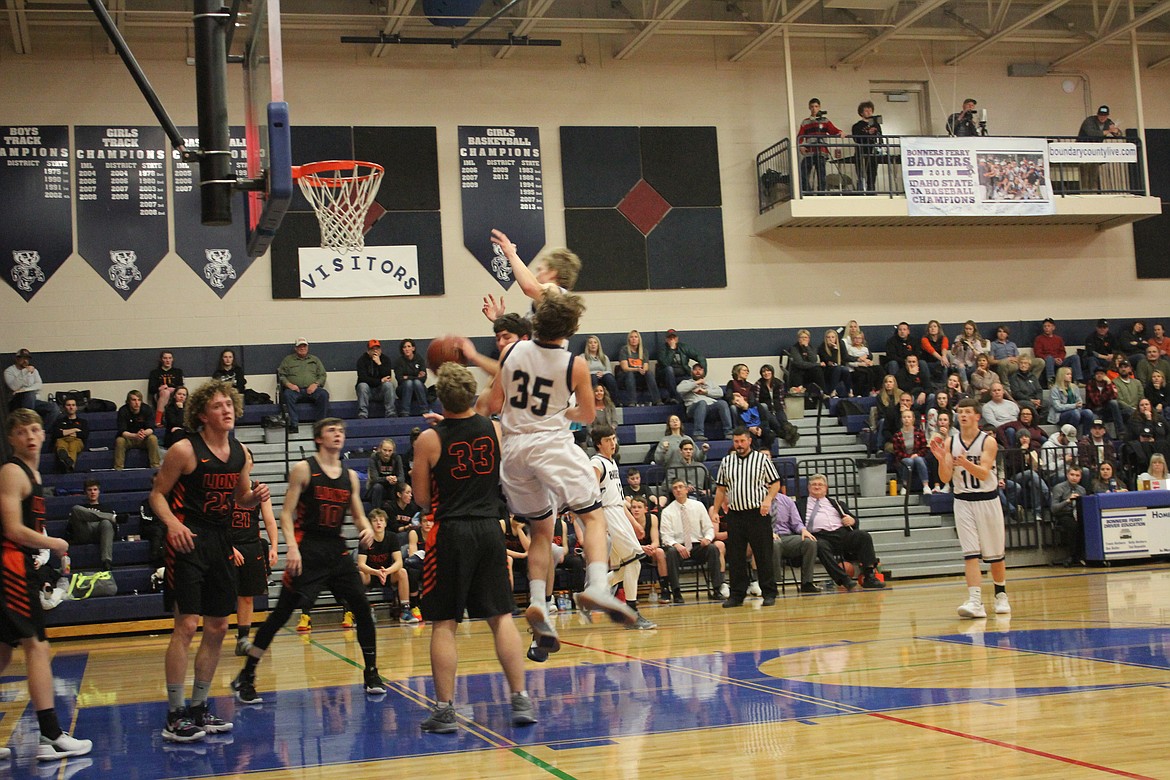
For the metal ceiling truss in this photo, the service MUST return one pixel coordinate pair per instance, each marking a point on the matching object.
(865, 27)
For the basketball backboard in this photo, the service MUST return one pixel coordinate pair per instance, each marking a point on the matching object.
(267, 134)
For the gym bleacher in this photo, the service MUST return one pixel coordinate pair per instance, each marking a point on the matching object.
(932, 550)
(914, 534)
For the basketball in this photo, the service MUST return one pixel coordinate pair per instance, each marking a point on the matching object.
(444, 349)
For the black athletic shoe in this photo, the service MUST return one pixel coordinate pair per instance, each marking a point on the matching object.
(769, 601)
(205, 719)
(732, 602)
(536, 653)
(808, 587)
(374, 684)
(180, 727)
(245, 687)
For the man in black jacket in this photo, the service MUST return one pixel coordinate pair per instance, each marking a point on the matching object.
(838, 537)
(1099, 348)
(898, 346)
(375, 377)
(135, 431)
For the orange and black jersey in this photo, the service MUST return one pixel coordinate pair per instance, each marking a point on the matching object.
(207, 494)
(323, 503)
(465, 482)
(380, 554)
(245, 527)
(32, 509)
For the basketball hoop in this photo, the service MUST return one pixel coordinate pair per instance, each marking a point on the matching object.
(341, 192)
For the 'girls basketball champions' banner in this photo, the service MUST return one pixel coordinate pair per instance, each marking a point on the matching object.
(500, 178)
(977, 176)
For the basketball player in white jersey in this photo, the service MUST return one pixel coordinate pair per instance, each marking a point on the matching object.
(542, 469)
(625, 551)
(556, 270)
(970, 459)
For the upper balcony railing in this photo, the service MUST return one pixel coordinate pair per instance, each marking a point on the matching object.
(841, 167)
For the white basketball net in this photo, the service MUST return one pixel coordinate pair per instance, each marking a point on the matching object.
(341, 192)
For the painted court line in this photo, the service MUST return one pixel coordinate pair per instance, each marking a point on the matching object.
(475, 729)
(1010, 746)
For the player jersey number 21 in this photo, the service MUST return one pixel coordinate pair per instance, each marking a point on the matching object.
(531, 389)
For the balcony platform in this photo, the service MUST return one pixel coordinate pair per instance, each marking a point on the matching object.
(851, 211)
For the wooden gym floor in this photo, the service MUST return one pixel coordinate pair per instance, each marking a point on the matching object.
(1074, 684)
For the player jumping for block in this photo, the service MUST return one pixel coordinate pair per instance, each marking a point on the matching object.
(543, 470)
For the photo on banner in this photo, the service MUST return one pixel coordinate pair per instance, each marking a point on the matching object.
(36, 200)
(977, 176)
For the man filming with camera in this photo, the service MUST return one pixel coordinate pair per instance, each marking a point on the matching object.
(812, 154)
(963, 123)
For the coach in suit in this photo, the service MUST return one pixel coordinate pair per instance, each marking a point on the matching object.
(837, 535)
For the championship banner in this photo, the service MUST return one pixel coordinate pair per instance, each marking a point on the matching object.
(121, 202)
(1074, 152)
(976, 177)
(361, 273)
(217, 253)
(35, 198)
(500, 178)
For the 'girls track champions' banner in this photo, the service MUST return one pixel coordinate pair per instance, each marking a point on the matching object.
(976, 176)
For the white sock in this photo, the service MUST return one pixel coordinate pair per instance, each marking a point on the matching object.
(976, 593)
(595, 574)
(536, 592)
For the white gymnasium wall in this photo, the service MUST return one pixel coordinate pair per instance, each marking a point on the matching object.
(809, 278)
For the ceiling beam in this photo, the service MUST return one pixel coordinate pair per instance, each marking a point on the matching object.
(650, 28)
(396, 20)
(536, 9)
(924, 8)
(18, 23)
(1000, 15)
(1107, 19)
(1016, 26)
(775, 25)
(1151, 13)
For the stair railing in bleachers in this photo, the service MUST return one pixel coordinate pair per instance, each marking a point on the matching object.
(841, 471)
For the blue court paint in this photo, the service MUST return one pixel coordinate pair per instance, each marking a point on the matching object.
(1144, 647)
(598, 704)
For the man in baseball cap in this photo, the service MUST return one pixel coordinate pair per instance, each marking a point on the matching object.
(24, 382)
(674, 364)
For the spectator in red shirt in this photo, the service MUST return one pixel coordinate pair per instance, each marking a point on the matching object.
(813, 155)
(1102, 397)
(1160, 339)
(1050, 348)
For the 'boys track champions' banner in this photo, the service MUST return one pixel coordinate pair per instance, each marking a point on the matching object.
(976, 176)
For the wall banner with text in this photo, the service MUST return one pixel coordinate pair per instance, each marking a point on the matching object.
(500, 178)
(981, 176)
(36, 202)
(217, 253)
(121, 202)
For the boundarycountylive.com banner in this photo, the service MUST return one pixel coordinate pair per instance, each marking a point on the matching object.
(976, 176)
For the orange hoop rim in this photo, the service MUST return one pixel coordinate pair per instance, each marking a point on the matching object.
(309, 173)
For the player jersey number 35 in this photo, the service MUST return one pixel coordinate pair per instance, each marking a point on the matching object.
(538, 387)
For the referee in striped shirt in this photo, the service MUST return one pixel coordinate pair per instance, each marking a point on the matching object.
(747, 483)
